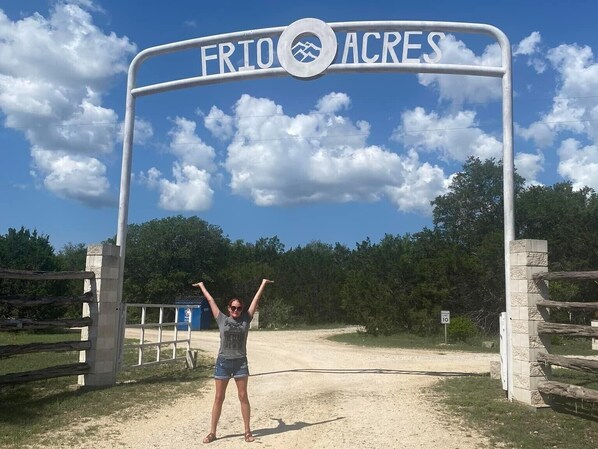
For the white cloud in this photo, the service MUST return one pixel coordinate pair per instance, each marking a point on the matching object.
(276, 159)
(529, 47)
(188, 147)
(333, 102)
(423, 184)
(53, 72)
(541, 133)
(529, 166)
(72, 176)
(143, 131)
(575, 105)
(192, 170)
(190, 190)
(454, 136)
(579, 164)
(460, 89)
(219, 124)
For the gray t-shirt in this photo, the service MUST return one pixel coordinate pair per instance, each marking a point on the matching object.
(233, 335)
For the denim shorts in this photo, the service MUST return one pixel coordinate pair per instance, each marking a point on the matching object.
(227, 368)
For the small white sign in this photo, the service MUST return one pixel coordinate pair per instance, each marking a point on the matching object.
(445, 317)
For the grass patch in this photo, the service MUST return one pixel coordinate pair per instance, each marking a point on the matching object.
(563, 345)
(30, 411)
(412, 341)
(481, 403)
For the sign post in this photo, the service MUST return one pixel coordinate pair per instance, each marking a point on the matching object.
(445, 318)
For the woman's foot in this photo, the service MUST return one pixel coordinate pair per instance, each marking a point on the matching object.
(249, 438)
(210, 437)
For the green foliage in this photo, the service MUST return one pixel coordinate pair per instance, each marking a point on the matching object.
(396, 285)
(164, 257)
(27, 250)
(275, 313)
(461, 329)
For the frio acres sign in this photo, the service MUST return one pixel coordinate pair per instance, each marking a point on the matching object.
(309, 48)
(306, 59)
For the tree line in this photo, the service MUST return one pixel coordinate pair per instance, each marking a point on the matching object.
(397, 284)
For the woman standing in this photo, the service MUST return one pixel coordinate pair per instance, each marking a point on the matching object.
(232, 356)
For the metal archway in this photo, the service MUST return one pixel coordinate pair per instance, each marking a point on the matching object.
(355, 58)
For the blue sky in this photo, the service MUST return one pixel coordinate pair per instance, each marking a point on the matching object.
(336, 159)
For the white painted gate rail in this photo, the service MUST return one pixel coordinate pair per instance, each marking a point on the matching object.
(155, 338)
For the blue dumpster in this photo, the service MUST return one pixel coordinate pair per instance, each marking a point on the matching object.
(194, 310)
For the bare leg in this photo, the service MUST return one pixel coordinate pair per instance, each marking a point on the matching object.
(218, 400)
(244, 399)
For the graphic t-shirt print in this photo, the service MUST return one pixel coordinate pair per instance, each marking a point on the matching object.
(233, 336)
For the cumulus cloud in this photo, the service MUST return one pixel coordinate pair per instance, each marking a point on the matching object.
(578, 163)
(453, 136)
(73, 176)
(190, 189)
(574, 111)
(460, 89)
(53, 72)
(320, 156)
(529, 166)
(529, 47)
(219, 124)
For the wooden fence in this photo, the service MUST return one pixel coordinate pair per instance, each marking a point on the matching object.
(19, 325)
(549, 387)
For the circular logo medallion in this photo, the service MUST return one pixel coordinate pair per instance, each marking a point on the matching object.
(299, 51)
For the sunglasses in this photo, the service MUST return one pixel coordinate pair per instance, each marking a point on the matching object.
(235, 309)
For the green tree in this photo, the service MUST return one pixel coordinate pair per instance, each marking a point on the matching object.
(165, 256)
(27, 250)
(471, 216)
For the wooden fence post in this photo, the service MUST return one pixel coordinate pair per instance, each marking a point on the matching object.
(528, 257)
(103, 260)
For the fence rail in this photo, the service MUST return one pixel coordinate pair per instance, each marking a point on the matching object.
(568, 275)
(532, 329)
(25, 324)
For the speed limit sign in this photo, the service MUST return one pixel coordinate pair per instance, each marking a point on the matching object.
(445, 317)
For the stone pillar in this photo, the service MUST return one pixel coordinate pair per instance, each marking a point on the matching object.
(103, 260)
(595, 340)
(528, 257)
(255, 322)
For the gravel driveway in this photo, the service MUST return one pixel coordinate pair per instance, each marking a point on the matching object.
(308, 392)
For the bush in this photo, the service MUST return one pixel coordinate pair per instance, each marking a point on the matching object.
(275, 313)
(461, 329)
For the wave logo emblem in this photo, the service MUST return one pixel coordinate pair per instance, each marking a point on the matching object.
(306, 51)
(299, 55)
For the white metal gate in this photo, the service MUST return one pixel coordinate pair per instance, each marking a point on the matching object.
(155, 335)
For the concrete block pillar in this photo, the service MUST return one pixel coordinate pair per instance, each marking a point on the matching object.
(103, 260)
(527, 258)
(255, 322)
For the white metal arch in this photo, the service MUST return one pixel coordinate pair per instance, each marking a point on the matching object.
(504, 72)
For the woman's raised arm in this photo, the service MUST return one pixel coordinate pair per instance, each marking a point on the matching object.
(256, 299)
(206, 293)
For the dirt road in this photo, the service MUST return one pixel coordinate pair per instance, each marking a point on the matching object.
(308, 392)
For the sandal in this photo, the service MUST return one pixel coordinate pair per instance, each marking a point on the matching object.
(209, 438)
(249, 438)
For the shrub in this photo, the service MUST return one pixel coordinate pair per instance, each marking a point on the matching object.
(461, 329)
(275, 313)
